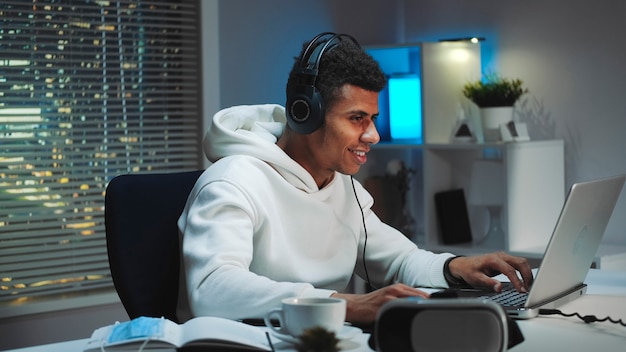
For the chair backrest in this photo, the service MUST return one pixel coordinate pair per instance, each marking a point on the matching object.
(141, 215)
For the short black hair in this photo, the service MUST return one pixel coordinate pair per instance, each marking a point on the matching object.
(345, 63)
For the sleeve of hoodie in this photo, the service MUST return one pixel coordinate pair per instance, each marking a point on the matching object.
(217, 249)
(390, 257)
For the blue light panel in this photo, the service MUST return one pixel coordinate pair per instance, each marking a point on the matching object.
(400, 103)
(405, 107)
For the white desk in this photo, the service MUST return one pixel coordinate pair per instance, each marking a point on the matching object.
(606, 296)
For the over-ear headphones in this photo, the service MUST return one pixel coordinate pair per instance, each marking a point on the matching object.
(305, 107)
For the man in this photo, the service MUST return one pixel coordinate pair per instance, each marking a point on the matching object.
(278, 214)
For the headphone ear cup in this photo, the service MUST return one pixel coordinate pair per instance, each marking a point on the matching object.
(305, 106)
(305, 110)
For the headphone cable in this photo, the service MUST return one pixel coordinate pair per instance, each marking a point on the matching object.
(367, 276)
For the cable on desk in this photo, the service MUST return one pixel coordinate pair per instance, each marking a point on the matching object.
(587, 318)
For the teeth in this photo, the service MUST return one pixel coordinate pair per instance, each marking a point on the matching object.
(359, 153)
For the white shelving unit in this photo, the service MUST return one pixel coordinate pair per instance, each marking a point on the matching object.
(534, 184)
(534, 170)
(534, 195)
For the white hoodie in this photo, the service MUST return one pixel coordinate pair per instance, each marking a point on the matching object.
(256, 228)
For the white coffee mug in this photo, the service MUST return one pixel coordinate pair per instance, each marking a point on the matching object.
(297, 315)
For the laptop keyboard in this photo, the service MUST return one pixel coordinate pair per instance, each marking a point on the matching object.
(508, 297)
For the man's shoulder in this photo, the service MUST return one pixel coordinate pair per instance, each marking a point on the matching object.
(240, 161)
(237, 167)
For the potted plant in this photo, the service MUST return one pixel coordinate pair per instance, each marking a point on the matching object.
(495, 96)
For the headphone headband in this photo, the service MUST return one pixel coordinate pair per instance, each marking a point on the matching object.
(305, 107)
(329, 41)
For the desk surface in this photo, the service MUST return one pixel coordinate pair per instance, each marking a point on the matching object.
(606, 296)
(557, 333)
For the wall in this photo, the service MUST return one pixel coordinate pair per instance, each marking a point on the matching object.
(258, 41)
(569, 55)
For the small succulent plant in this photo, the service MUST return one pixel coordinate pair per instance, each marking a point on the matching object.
(318, 339)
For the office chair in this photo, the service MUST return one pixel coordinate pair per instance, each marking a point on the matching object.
(141, 215)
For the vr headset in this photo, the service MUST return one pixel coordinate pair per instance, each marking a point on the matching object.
(416, 324)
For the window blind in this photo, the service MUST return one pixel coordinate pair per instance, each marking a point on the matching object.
(88, 90)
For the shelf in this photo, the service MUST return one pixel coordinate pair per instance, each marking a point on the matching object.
(415, 144)
(399, 143)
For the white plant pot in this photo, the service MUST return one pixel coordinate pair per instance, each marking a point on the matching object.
(491, 119)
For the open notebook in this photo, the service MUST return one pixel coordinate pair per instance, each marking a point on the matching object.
(569, 254)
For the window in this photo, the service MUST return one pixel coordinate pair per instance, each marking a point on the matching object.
(88, 90)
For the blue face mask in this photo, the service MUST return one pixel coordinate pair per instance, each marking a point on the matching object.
(142, 327)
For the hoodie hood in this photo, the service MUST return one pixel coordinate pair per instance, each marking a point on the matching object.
(253, 130)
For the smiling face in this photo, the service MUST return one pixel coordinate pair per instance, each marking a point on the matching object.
(342, 143)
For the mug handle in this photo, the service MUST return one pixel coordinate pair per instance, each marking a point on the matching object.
(278, 313)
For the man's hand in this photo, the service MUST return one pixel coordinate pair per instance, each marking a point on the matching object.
(479, 270)
(363, 308)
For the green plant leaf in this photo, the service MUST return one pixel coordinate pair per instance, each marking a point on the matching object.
(494, 91)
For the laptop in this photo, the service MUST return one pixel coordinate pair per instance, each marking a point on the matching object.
(569, 254)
